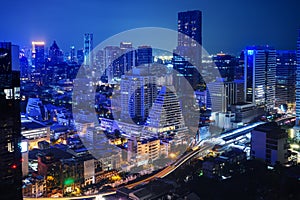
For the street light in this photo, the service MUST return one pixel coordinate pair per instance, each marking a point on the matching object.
(172, 155)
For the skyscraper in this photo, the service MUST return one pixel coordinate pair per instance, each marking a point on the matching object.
(10, 127)
(166, 118)
(224, 93)
(112, 62)
(144, 55)
(38, 58)
(55, 54)
(259, 76)
(24, 66)
(80, 56)
(226, 65)
(286, 78)
(88, 47)
(190, 27)
(298, 83)
(128, 55)
(72, 54)
(138, 92)
(188, 53)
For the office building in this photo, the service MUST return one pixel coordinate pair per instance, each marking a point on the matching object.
(10, 125)
(88, 47)
(224, 93)
(55, 54)
(269, 143)
(24, 67)
(138, 92)
(188, 52)
(144, 55)
(129, 56)
(38, 61)
(190, 27)
(72, 54)
(165, 119)
(226, 65)
(286, 78)
(259, 76)
(112, 62)
(80, 56)
(298, 83)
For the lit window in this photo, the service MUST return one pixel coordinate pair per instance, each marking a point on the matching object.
(10, 147)
(8, 93)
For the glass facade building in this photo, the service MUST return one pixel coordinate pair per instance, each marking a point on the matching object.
(10, 125)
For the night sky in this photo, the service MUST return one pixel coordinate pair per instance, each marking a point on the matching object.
(228, 25)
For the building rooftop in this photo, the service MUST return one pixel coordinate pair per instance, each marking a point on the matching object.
(272, 129)
(27, 124)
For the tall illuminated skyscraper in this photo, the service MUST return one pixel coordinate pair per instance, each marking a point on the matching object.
(259, 76)
(38, 60)
(298, 84)
(286, 78)
(10, 125)
(188, 53)
(88, 47)
(190, 25)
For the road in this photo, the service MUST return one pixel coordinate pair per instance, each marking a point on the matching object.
(97, 197)
(169, 169)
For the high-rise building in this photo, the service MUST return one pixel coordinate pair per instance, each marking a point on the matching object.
(112, 62)
(80, 56)
(24, 66)
(88, 47)
(226, 65)
(190, 27)
(144, 55)
(166, 118)
(188, 53)
(259, 76)
(10, 125)
(72, 54)
(55, 54)
(38, 60)
(128, 56)
(285, 78)
(298, 83)
(138, 92)
(224, 93)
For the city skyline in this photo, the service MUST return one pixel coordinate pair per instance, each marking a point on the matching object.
(117, 100)
(241, 23)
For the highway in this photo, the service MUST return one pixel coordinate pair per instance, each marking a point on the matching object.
(169, 169)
